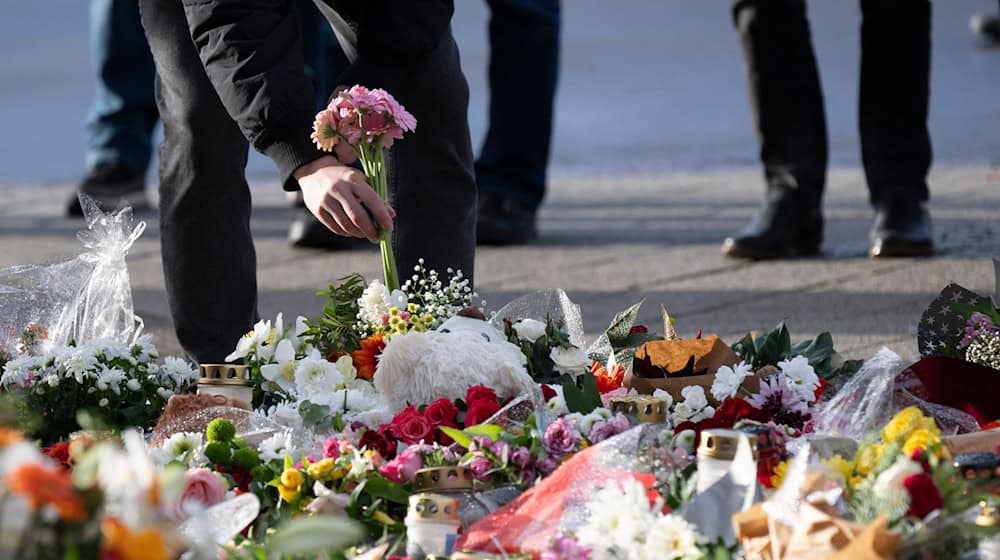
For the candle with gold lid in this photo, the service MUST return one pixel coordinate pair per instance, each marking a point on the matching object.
(229, 380)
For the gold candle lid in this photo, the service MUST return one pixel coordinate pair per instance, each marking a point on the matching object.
(223, 374)
(443, 478)
(645, 408)
(432, 508)
(719, 444)
(988, 514)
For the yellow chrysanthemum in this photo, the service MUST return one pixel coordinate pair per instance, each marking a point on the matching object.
(928, 423)
(779, 474)
(920, 439)
(902, 425)
(868, 457)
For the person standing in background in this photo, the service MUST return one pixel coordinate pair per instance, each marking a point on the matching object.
(512, 165)
(788, 110)
(123, 112)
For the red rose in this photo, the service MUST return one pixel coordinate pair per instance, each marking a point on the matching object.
(378, 442)
(638, 329)
(920, 456)
(823, 383)
(411, 427)
(924, 495)
(479, 393)
(441, 412)
(480, 412)
(548, 392)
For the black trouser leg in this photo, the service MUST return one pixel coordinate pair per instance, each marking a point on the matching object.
(209, 261)
(785, 95)
(894, 94)
(431, 176)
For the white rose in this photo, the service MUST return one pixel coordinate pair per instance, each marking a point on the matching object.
(694, 397)
(571, 361)
(529, 329)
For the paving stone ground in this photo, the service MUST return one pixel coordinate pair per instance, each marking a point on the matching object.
(653, 164)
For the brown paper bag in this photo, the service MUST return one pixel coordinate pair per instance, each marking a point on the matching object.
(669, 365)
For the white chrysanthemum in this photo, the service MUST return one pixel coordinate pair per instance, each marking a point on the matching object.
(110, 349)
(183, 447)
(178, 371)
(110, 378)
(316, 379)
(81, 363)
(373, 303)
(143, 349)
(19, 371)
(529, 329)
(375, 416)
(569, 361)
(672, 537)
(888, 486)
(703, 414)
(286, 414)
(275, 447)
(282, 372)
(728, 380)
(620, 517)
(661, 394)
(133, 385)
(801, 376)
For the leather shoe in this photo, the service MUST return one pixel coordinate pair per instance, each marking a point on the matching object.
(902, 229)
(309, 233)
(785, 227)
(503, 221)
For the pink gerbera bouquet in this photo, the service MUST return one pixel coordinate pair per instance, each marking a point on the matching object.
(367, 121)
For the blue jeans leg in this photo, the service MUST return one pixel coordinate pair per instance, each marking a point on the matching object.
(123, 113)
(523, 70)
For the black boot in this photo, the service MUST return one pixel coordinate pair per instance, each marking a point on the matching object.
(112, 185)
(309, 233)
(902, 229)
(788, 225)
(502, 221)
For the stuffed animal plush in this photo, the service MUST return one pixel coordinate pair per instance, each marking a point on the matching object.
(420, 367)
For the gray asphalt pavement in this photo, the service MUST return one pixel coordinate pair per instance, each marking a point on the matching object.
(653, 164)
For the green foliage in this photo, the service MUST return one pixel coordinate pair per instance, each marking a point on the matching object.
(624, 342)
(220, 430)
(313, 535)
(582, 395)
(333, 331)
(981, 305)
(540, 365)
(776, 345)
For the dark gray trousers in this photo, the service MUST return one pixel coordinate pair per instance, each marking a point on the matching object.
(209, 261)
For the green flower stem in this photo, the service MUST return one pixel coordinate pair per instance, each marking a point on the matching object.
(373, 164)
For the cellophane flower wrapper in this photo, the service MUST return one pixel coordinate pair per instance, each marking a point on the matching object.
(561, 502)
(84, 298)
(542, 305)
(875, 394)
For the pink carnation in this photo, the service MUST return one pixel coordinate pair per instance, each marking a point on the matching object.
(404, 467)
(203, 488)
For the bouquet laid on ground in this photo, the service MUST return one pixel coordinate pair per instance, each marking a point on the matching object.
(368, 122)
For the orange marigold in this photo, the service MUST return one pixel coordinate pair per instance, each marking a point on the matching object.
(123, 543)
(366, 358)
(47, 486)
(608, 381)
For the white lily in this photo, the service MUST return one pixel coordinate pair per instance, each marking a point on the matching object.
(282, 372)
(250, 341)
(345, 365)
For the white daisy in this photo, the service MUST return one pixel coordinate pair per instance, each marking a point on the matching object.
(801, 376)
(728, 380)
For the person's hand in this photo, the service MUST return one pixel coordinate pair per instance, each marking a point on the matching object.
(340, 198)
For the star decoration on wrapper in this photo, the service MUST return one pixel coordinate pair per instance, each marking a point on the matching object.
(940, 325)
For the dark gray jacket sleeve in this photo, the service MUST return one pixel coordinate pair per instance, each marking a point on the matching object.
(252, 52)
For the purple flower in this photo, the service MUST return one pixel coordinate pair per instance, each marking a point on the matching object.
(479, 442)
(560, 438)
(480, 468)
(563, 547)
(603, 429)
(527, 475)
(547, 465)
(977, 326)
(502, 450)
(521, 457)
(781, 402)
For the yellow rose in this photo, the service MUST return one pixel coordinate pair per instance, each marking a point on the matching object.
(902, 425)
(920, 439)
(930, 425)
(290, 485)
(867, 458)
(321, 470)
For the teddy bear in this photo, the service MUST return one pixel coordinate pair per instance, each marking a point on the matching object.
(420, 367)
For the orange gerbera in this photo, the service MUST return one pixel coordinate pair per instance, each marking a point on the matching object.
(366, 358)
(123, 543)
(9, 436)
(608, 381)
(46, 486)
